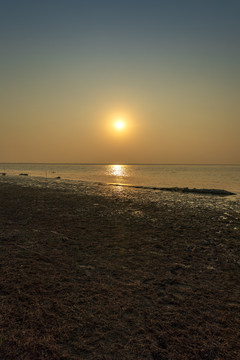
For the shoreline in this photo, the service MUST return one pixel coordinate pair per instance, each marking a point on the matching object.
(84, 276)
(158, 177)
(177, 189)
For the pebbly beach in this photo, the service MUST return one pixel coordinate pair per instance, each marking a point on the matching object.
(110, 273)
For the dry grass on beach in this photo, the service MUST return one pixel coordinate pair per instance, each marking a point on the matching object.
(84, 278)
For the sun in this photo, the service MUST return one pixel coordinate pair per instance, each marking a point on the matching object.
(119, 124)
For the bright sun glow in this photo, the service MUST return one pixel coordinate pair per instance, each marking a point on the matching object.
(119, 124)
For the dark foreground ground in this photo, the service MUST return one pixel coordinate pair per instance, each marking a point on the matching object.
(81, 279)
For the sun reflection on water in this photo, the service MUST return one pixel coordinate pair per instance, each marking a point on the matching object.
(117, 173)
(117, 170)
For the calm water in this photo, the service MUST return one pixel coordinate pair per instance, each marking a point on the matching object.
(198, 176)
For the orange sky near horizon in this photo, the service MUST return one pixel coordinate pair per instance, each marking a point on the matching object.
(69, 71)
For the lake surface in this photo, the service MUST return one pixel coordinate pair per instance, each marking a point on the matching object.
(225, 177)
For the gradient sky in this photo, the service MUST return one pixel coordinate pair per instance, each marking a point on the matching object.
(171, 68)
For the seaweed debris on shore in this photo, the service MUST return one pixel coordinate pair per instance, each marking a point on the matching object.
(199, 191)
(203, 191)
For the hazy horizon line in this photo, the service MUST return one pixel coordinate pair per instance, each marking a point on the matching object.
(69, 163)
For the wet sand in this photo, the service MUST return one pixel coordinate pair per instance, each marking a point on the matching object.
(88, 277)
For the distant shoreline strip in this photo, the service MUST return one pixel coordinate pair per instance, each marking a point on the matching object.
(181, 190)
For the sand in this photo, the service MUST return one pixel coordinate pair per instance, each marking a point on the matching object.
(88, 277)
